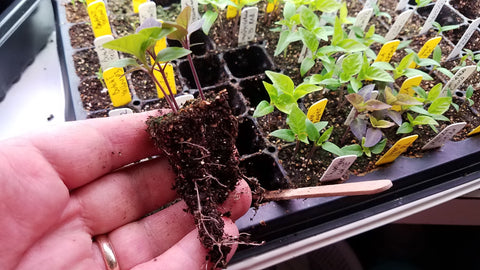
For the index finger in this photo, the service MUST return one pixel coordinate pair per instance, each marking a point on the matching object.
(84, 150)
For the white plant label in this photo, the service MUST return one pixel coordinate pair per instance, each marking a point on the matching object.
(248, 25)
(361, 21)
(398, 25)
(464, 39)
(433, 15)
(120, 111)
(183, 98)
(370, 4)
(105, 55)
(457, 79)
(402, 4)
(194, 4)
(338, 168)
(444, 135)
(147, 10)
(304, 54)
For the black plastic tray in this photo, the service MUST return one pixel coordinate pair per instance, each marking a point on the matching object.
(25, 26)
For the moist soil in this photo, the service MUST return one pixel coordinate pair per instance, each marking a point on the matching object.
(469, 8)
(81, 36)
(199, 142)
(86, 63)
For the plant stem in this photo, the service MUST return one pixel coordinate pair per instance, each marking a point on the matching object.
(186, 45)
(162, 71)
(167, 97)
(312, 151)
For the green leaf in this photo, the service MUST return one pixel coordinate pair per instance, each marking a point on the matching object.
(289, 10)
(320, 125)
(356, 84)
(405, 128)
(285, 103)
(210, 17)
(281, 82)
(306, 65)
(411, 72)
(309, 39)
(337, 32)
(380, 123)
(378, 148)
(405, 62)
(420, 92)
(445, 71)
(406, 100)
(352, 64)
(296, 121)
(377, 74)
(123, 62)
(171, 53)
(383, 65)
(312, 131)
(440, 105)
(469, 92)
(263, 108)
(325, 136)
(308, 18)
(272, 91)
(326, 6)
(286, 37)
(351, 45)
(424, 120)
(332, 148)
(304, 89)
(437, 54)
(434, 92)
(352, 149)
(284, 134)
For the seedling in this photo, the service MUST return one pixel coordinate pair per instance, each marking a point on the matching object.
(210, 16)
(441, 29)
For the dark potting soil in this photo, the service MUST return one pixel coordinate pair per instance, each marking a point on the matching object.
(93, 95)
(199, 142)
(81, 36)
(123, 24)
(143, 85)
(86, 63)
(469, 8)
(76, 13)
(472, 44)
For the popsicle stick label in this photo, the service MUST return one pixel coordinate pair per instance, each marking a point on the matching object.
(433, 15)
(400, 22)
(232, 11)
(464, 39)
(120, 111)
(397, 149)
(117, 86)
(99, 19)
(105, 55)
(408, 84)
(304, 53)
(137, 3)
(194, 5)
(387, 51)
(248, 25)
(183, 98)
(338, 168)
(427, 49)
(361, 21)
(370, 4)
(444, 135)
(315, 111)
(272, 6)
(169, 73)
(474, 131)
(402, 4)
(147, 10)
(457, 79)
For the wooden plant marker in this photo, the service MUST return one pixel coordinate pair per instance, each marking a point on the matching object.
(170, 74)
(194, 5)
(137, 3)
(272, 6)
(248, 25)
(315, 111)
(346, 189)
(183, 98)
(338, 168)
(232, 11)
(460, 76)
(433, 15)
(147, 10)
(427, 49)
(119, 111)
(361, 21)
(399, 23)
(444, 135)
(402, 4)
(474, 131)
(105, 55)
(464, 39)
(397, 149)
(407, 88)
(99, 19)
(387, 51)
(117, 86)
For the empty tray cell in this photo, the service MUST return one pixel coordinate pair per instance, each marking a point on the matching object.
(209, 69)
(249, 139)
(247, 61)
(254, 91)
(266, 169)
(199, 43)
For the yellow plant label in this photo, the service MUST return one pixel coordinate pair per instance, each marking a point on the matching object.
(137, 3)
(90, 1)
(427, 49)
(160, 45)
(387, 51)
(169, 73)
(232, 11)
(474, 131)
(397, 149)
(272, 6)
(99, 19)
(315, 111)
(117, 86)
(408, 84)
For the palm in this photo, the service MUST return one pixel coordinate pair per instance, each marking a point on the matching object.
(59, 192)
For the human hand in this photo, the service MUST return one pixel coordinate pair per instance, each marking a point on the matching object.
(66, 185)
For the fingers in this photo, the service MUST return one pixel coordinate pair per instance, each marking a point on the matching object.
(141, 241)
(82, 151)
(125, 195)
